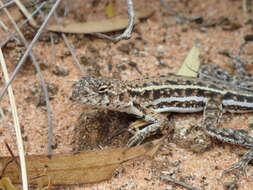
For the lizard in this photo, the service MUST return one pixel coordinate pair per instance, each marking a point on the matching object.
(148, 97)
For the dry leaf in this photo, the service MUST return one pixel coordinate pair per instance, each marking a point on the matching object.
(190, 66)
(77, 168)
(107, 25)
(6, 184)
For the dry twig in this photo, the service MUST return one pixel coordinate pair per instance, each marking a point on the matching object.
(13, 33)
(69, 46)
(173, 180)
(127, 33)
(6, 4)
(25, 12)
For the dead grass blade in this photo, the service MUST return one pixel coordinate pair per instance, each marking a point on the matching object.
(3, 26)
(78, 168)
(16, 125)
(190, 66)
(26, 13)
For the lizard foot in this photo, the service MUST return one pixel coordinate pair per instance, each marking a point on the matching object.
(241, 164)
(137, 139)
(141, 134)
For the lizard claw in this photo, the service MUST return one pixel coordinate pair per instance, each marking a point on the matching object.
(136, 139)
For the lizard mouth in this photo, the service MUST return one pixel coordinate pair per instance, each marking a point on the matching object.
(81, 94)
(89, 99)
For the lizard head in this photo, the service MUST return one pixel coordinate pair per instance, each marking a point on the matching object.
(96, 91)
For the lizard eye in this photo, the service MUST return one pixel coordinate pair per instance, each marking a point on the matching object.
(102, 89)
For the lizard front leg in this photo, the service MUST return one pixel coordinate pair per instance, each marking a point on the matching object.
(212, 113)
(155, 120)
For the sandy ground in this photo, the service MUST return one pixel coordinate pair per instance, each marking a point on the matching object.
(158, 45)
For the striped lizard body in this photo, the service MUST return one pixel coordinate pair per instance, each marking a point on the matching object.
(148, 97)
(174, 93)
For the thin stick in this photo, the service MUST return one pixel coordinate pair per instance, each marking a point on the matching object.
(11, 153)
(179, 19)
(2, 116)
(127, 32)
(13, 159)
(16, 125)
(3, 26)
(6, 4)
(69, 46)
(22, 61)
(173, 180)
(26, 13)
(72, 51)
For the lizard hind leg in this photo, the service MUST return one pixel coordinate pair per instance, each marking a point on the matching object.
(212, 113)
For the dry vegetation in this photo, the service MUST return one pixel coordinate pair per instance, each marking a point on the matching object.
(159, 43)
